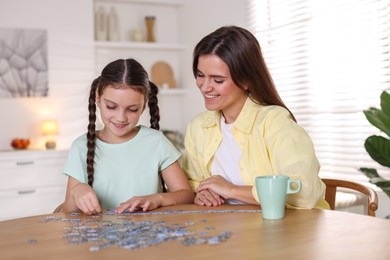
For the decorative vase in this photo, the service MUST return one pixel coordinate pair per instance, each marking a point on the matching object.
(113, 25)
(100, 24)
(137, 35)
(149, 22)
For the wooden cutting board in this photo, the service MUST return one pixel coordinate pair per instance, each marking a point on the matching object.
(162, 74)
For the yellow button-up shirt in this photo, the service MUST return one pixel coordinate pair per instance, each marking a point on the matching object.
(272, 144)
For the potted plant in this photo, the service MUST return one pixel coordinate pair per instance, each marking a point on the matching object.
(377, 146)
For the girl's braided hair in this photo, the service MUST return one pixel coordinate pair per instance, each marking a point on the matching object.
(118, 74)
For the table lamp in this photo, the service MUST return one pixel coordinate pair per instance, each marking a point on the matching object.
(49, 128)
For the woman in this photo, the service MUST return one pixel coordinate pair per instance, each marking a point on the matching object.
(248, 130)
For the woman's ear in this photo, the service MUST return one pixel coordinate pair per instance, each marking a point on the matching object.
(245, 88)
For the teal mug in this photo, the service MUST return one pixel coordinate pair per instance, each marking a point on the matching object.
(272, 192)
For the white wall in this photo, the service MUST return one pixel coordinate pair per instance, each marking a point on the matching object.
(200, 18)
(69, 25)
(71, 66)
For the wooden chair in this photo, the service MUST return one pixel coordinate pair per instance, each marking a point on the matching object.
(58, 209)
(333, 184)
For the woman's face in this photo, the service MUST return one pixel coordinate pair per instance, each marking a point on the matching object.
(120, 110)
(218, 89)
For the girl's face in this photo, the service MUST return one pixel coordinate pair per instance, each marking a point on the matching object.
(218, 89)
(120, 110)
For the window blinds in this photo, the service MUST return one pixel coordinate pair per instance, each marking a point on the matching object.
(330, 60)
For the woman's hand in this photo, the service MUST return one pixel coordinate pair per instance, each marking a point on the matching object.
(85, 199)
(218, 185)
(148, 202)
(208, 198)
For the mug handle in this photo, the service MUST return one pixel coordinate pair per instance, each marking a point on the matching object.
(291, 191)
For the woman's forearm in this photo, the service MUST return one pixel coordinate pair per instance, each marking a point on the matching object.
(244, 194)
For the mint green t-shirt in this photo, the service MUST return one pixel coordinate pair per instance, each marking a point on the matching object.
(123, 170)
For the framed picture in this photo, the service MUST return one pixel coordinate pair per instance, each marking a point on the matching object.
(23, 63)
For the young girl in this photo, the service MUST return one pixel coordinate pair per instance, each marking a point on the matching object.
(119, 166)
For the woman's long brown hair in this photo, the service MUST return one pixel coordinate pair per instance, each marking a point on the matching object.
(241, 51)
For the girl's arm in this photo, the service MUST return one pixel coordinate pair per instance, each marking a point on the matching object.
(80, 197)
(179, 192)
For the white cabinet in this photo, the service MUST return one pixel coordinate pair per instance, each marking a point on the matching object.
(131, 16)
(31, 183)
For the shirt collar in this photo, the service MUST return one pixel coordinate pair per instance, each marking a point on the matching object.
(247, 116)
(212, 119)
(244, 121)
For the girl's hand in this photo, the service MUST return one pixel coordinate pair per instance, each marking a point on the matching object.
(148, 202)
(218, 185)
(208, 198)
(85, 199)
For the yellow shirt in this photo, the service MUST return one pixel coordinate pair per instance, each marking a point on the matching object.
(272, 144)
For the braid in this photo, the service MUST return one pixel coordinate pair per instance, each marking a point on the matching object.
(154, 112)
(91, 135)
(153, 106)
(118, 74)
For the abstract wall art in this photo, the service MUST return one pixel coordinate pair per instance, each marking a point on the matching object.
(23, 63)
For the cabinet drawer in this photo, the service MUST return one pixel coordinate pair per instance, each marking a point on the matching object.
(28, 202)
(32, 177)
(32, 168)
(29, 158)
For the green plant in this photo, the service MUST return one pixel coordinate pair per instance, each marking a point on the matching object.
(378, 147)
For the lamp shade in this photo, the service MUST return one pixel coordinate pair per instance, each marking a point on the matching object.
(49, 127)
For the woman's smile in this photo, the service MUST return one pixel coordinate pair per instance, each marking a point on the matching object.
(209, 96)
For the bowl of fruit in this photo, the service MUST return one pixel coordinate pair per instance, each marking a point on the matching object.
(20, 143)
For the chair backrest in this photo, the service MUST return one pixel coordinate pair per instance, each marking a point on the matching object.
(333, 184)
(59, 209)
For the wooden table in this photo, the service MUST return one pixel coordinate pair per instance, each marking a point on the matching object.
(302, 234)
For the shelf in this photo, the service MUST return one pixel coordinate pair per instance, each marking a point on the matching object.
(172, 92)
(153, 2)
(138, 45)
(167, 47)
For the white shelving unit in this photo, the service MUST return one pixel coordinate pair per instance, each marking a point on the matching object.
(131, 16)
(138, 46)
(173, 92)
(153, 2)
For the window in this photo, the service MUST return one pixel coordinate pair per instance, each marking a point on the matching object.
(330, 60)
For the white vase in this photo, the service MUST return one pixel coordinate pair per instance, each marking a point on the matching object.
(101, 30)
(113, 25)
(137, 35)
